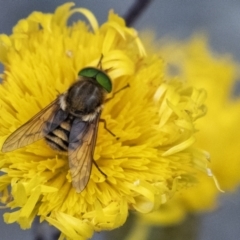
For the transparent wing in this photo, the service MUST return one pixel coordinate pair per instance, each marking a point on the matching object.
(82, 141)
(36, 128)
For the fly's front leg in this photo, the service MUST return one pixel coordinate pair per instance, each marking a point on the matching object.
(103, 120)
(105, 127)
(117, 92)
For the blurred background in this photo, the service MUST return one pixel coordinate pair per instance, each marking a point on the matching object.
(179, 19)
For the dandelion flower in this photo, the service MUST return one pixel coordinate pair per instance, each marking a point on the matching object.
(154, 121)
(195, 63)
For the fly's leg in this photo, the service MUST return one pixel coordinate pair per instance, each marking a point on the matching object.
(105, 123)
(103, 120)
(119, 90)
(98, 168)
(105, 127)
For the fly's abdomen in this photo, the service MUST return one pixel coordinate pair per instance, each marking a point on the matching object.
(58, 139)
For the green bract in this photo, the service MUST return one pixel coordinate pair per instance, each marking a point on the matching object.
(101, 77)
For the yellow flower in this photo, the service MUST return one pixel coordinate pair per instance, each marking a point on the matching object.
(154, 120)
(220, 128)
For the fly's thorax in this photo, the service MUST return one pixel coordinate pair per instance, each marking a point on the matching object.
(62, 101)
(83, 99)
(91, 116)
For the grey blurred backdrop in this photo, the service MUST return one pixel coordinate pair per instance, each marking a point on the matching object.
(176, 18)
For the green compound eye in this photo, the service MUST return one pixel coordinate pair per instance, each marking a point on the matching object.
(102, 78)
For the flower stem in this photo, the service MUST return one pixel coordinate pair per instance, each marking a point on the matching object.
(135, 11)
